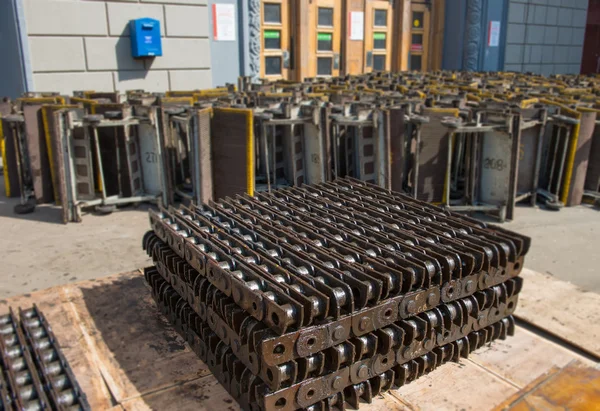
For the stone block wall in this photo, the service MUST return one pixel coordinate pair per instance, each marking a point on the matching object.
(545, 36)
(85, 45)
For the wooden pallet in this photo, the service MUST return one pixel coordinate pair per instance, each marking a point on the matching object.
(126, 356)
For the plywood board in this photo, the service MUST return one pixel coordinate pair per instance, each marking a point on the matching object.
(524, 358)
(575, 387)
(562, 309)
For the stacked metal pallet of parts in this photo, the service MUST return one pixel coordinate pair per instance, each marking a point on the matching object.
(34, 372)
(319, 296)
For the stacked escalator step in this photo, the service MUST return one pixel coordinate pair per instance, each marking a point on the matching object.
(321, 296)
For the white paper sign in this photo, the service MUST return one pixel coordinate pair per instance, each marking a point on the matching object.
(357, 25)
(494, 34)
(224, 22)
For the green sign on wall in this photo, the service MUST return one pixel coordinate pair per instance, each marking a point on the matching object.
(272, 34)
(379, 36)
(324, 36)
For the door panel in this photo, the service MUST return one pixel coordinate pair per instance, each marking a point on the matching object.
(325, 22)
(419, 37)
(275, 37)
(378, 35)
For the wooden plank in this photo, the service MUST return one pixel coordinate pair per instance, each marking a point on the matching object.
(561, 309)
(456, 386)
(136, 349)
(522, 358)
(54, 303)
(203, 394)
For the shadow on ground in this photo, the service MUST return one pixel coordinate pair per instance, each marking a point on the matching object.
(148, 351)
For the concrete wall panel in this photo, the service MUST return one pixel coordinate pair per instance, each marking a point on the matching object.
(67, 82)
(190, 79)
(89, 46)
(84, 18)
(57, 54)
(119, 15)
(184, 21)
(181, 53)
(112, 53)
(154, 80)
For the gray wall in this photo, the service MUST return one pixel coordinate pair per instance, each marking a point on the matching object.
(227, 56)
(85, 45)
(452, 55)
(545, 36)
(12, 72)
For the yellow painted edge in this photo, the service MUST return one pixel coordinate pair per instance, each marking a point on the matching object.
(275, 95)
(83, 100)
(200, 95)
(588, 110)
(250, 179)
(564, 108)
(49, 151)
(41, 100)
(570, 162)
(529, 102)
(473, 97)
(4, 164)
(188, 100)
(181, 93)
(454, 111)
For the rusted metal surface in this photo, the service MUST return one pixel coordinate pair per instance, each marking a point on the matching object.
(232, 151)
(35, 373)
(367, 376)
(327, 292)
(581, 159)
(37, 151)
(592, 180)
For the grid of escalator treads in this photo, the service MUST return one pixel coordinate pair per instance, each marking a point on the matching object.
(319, 296)
(35, 374)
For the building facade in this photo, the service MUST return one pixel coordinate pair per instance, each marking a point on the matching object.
(66, 45)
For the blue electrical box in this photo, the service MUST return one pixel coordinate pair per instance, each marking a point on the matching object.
(145, 37)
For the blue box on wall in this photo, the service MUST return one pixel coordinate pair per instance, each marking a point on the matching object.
(145, 37)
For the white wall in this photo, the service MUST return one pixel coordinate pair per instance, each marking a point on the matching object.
(85, 45)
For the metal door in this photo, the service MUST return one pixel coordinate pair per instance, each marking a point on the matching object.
(591, 47)
(378, 35)
(275, 37)
(491, 56)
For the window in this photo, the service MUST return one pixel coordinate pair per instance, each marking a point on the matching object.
(417, 43)
(417, 20)
(272, 13)
(272, 39)
(379, 62)
(324, 66)
(380, 18)
(272, 65)
(325, 17)
(324, 41)
(415, 62)
(379, 41)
